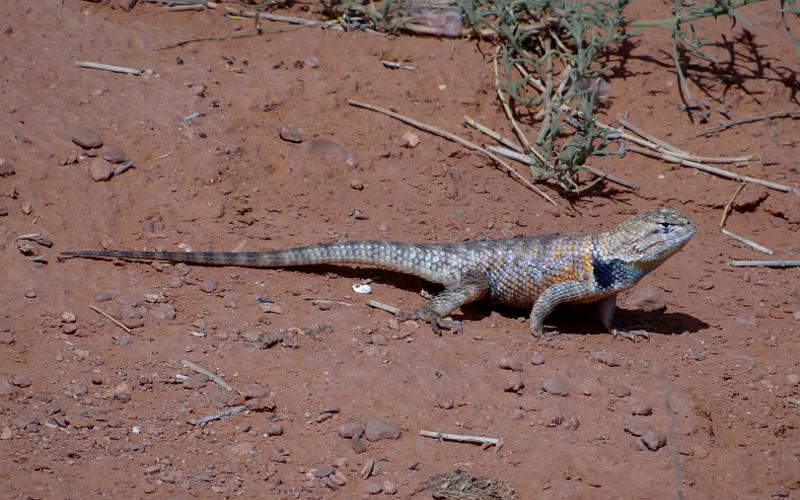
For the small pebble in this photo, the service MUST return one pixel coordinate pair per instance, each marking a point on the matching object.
(274, 429)
(514, 384)
(113, 154)
(208, 286)
(102, 296)
(793, 379)
(86, 138)
(510, 364)
(21, 381)
(269, 307)
(68, 317)
(101, 170)
(351, 429)
(642, 409)
(175, 281)
(647, 298)
(389, 487)
(290, 134)
(605, 357)
(537, 359)
(6, 337)
(195, 381)
(409, 140)
(69, 329)
(356, 184)
(620, 391)
(446, 404)
(654, 440)
(377, 429)
(324, 471)
(374, 488)
(326, 147)
(555, 386)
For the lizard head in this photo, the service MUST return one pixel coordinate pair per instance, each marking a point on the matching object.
(648, 239)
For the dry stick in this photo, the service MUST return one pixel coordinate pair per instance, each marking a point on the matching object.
(218, 38)
(462, 438)
(764, 263)
(752, 244)
(521, 157)
(732, 123)
(727, 211)
(663, 146)
(494, 135)
(108, 67)
(506, 107)
(111, 318)
(451, 137)
(219, 415)
(205, 3)
(275, 17)
(187, 7)
(213, 376)
(383, 307)
(713, 170)
(397, 65)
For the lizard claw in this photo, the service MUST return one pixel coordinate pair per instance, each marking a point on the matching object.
(631, 335)
(437, 322)
(550, 336)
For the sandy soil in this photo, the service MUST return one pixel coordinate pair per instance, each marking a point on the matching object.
(87, 410)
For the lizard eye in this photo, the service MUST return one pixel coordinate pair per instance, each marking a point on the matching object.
(665, 226)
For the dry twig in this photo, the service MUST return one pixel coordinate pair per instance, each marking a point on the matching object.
(108, 67)
(713, 170)
(752, 244)
(111, 318)
(732, 123)
(201, 422)
(764, 263)
(454, 138)
(211, 375)
(383, 307)
(462, 438)
(727, 211)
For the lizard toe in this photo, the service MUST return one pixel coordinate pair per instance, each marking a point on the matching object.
(632, 335)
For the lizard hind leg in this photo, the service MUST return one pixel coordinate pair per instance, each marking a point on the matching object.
(473, 286)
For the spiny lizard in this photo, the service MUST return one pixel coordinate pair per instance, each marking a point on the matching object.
(539, 272)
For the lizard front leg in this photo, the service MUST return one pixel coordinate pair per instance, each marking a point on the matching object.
(472, 287)
(554, 295)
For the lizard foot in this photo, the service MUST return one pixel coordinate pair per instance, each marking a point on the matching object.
(437, 322)
(631, 335)
(550, 336)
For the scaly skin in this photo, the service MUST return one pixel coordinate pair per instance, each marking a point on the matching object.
(539, 272)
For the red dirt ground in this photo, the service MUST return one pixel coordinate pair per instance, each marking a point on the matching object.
(88, 411)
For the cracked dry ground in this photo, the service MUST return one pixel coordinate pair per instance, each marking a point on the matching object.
(87, 410)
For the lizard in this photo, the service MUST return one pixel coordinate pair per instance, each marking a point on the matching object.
(536, 272)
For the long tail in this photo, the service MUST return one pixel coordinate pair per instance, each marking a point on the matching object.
(427, 261)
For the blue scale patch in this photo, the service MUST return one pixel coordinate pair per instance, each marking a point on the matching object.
(610, 274)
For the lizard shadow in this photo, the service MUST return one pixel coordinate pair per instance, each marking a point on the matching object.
(580, 319)
(570, 318)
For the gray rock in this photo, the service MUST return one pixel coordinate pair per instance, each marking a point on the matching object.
(377, 429)
(101, 170)
(555, 386)
(647, 298)
(86, 138)
(113, 154)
